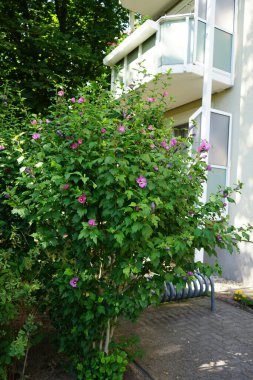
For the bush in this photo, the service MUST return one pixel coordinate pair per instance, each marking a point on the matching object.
(17, 313)
(18, 282)
(242, 298)
(112, 204)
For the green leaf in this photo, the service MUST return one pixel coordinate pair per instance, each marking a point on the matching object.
(119, 237)
(101, 309)
(136, 227)
(147, 231)
(109, 160)
(126, 271)
(179, 270)
(68, 272)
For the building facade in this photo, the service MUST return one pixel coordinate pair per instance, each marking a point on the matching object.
(208, 45)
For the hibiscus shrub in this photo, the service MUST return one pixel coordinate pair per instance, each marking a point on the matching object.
(113, 201)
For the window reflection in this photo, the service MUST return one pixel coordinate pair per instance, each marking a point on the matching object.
(219, 134)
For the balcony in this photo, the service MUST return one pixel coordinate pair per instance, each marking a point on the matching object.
(150, 8)
(175, 42)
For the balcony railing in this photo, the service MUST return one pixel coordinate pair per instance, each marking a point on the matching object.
(176, 42)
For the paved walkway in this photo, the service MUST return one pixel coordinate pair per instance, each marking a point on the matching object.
(186, 341)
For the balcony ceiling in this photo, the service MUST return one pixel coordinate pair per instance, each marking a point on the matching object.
(149, 7)
(184, 86)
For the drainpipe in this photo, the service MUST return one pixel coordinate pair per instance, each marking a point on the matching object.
(207, 90)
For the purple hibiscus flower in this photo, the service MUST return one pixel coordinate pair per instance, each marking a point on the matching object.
(73, 282)
(142, 181)
(204, 147)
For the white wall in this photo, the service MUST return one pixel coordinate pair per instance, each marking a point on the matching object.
(239, 101)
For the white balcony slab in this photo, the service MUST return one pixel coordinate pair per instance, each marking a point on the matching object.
(185, 86)
(149, 7)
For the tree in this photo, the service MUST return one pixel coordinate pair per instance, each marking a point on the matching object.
(42, 40)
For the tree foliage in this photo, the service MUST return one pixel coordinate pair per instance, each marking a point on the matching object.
(41, 40)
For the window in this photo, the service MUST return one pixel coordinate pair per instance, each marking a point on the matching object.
(219, 136)
(181, 130)
(223, 34)
(216, 178)
(202, 9)
(224, 14)
(219, 154)
(218, 157)
(223, 50)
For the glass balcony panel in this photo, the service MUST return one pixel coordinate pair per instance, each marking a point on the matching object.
(222, 50)
(132, 73)
(132, 56)
(145, 65)
(149, 44)
(216, 178)
(119, 72)
(200, 53)
(173, 42)
(149, 63)
(202, 9)
(190, 41)
(224, 14)
(119, 77)
(219, 135)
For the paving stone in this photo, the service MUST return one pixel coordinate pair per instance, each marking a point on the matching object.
(186, 341)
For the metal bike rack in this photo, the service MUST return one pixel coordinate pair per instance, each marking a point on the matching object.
(200, 286)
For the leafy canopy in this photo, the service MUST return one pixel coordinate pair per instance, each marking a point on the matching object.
(42, 40)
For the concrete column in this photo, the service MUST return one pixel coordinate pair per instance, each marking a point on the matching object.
(207, 91)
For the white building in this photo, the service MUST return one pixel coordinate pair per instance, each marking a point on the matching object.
(208, 44)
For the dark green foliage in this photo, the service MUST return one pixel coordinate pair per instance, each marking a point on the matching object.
(18, 279)
(42, 40)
